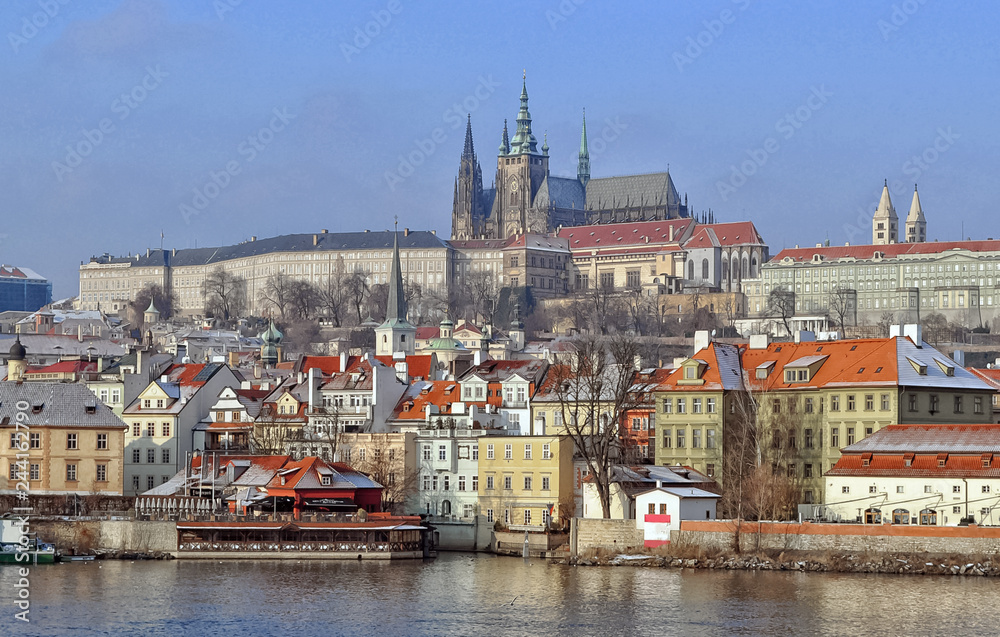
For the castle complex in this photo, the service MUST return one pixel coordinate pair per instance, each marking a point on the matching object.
(525, 198)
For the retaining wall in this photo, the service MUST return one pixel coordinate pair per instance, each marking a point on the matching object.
(793, 536)
(116, 535)
(607, 535)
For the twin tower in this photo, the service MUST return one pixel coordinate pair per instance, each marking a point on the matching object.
(885, 223)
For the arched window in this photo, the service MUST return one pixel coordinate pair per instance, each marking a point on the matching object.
(753, 267)
(446, 507)
(691, 269)
(900, 516)
(725, 268)
(929, 517)
(746, 267)
(873, 516)
(704, 269)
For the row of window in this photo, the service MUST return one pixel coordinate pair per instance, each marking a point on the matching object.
(679, 405)
(508, 483)
(430, 482)
(678, 438)
(525, 518)
(150, 481)
(34, 472)
(150, 456)
(35, 440)
(463, 452)
(955, 488)
(508, 452)
(137, 430)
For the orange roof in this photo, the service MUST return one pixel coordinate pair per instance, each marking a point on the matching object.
(848, 362)
(989, 375)
(891, 250)
(184, 374)
(724, 234)
(652, 233)
(441, 393)
(63, 367)
(326, 364)
(418, 365)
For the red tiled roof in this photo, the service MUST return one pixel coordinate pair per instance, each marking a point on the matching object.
(891, 250)
(921, 465)
(184, 374)
(724, 234)
(63, 367)
(989, 376)
(424, 333)
(413, 402)
(653, 233)
(418, 365)
(537, 241)
(853, 362)
(326, 364)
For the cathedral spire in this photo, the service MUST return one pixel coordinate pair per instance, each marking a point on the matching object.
(396, 308)
(583, 168)
(469, 151)
(504, 141)
(916, 223)
(524, 141)
(885, 223)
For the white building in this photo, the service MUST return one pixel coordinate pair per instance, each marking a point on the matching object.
(660, 510)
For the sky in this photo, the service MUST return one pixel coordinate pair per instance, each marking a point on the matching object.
(211, 121)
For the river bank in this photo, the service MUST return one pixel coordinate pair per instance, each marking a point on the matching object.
(890, 564)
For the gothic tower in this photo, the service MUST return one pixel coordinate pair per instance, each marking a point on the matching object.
(467, 212)
(916, 224)
(396, 334)
(583, 168)
(885, 223)
(520, 171)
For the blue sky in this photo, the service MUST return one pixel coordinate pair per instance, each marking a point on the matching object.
(212, 121)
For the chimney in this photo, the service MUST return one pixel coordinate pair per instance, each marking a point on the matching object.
(79, 333)
(324, 231)
(701, 340)
(147, 253)
(312, 387)
(299, 378)
(959, 357)
(173, 252)
(915, 332)
(406, 232)
(758, 341)
(253, 238)
(671, 233)
(659, 484)
(315, 239)
(343, 361)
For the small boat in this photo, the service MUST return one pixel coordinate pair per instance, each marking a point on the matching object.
(76, 558)
(23, 550)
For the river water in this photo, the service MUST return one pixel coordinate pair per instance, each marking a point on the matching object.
(465, 594)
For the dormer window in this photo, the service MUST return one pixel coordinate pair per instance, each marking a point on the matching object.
(918, 366)
(949, 370)
(325, 481)
(764, 369)
(690, 372)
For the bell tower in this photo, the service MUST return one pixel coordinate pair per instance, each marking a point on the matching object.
(520, 171)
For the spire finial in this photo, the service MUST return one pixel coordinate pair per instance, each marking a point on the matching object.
(886, 183)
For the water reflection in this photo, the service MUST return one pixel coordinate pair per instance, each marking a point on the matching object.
(464, 594)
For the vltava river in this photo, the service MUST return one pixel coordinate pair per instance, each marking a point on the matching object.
(464, 594)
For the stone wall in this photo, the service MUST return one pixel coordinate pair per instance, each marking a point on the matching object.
(884, 538)
(114, 535)
(608, 535)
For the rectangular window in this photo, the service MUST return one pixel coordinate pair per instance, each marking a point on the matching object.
(986, 488)
(696, 438)
(958, 405)
(508, 452)
(885, 402)
(489, 483)
(710, 405)
(475, 452)
(934, 403)
(696, 406)
(434, 483)
(809, 438)
(681, 406)
(34, 471)
(508, 482)
(102, 473)
(461, 483)
(527, 452)
(710, 470)
(809, 405)
(442, 452)
(446, 482)
(927, 488)
(165, 429)
(776, 406)
(807, 471)
(899, 488)
(135, 429)
(873, 489)
(135, 456)
(35, 441)
(135, 482)
(489, 452)
(680, 439)
(710, 439)
(102, 441)
(850, 402)
(71, 441)
(149, 482)
(165, 456)
(489, 515)
(850, 435)
(957, 488)
(427, 452)
(977, 404)
(834, 403)
(71, 473)
(527, 516)
(150, 429)
(545, 483)
(869, 402)
(667, 439)
(546, 452)
(527, 483)
(668, 405)
(475, 483)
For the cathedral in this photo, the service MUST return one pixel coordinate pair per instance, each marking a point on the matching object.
(526, 198)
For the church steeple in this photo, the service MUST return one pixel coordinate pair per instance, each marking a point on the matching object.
(467, 215)
(583, 168)
(916, 223)
(469, 152)
(504, 141)
(396, 334)
(885, 223)
(524, 142)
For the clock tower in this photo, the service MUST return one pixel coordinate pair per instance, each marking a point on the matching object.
(521, 168)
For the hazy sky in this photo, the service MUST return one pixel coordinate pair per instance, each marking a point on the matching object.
(212, 121)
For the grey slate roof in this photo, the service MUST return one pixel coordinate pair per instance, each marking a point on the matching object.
(562, 192)
(62, 405)
(935, 376)
(632, 190)
(284, 243)
(959, 439)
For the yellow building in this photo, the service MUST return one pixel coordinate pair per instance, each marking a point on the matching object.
(526, 482)
(59, 439)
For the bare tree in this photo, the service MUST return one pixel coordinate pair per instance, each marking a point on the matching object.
(163, 301)
(385, 463)
(483, 291)
(277, 293)
(781, 303)
(885, 321)
(378, 299)
(356, 291)
(303, 299)
(594, 394)
(842, 305)
(936, 328)
(271, 436)
(333, 292)
(225, 294)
